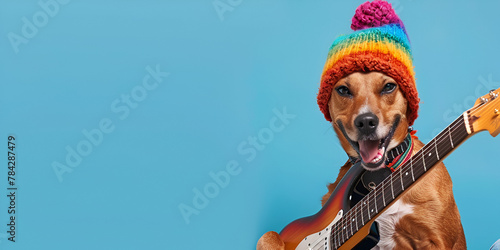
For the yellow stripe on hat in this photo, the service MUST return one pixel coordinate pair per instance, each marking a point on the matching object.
(384, 47)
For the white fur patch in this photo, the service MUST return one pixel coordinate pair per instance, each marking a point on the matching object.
(364, 109)
(383, 131)
(387, 222)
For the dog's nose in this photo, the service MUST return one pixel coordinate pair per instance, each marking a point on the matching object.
(366, 123)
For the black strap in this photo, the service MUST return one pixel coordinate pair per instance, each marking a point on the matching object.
(367, 182)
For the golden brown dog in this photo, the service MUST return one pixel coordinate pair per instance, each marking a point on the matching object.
(426, 217)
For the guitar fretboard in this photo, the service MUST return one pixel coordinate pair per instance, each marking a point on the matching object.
(399, 181)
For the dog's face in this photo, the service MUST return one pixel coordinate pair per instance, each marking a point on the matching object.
(368, 113)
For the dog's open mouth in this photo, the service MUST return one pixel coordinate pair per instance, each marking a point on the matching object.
(372, 151)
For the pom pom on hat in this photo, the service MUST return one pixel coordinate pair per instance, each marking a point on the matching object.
(374, 14)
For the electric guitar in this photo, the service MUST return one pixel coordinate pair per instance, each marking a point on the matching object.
(338, 225)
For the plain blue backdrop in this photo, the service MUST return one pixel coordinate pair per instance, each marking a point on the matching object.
(232, 66)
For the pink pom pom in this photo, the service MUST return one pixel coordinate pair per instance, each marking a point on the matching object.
(374, 14)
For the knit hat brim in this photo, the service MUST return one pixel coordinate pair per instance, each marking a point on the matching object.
(367, 61)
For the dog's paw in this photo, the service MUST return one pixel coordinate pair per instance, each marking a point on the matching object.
(270, 241)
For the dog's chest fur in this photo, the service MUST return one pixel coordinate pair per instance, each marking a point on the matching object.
(387, 222)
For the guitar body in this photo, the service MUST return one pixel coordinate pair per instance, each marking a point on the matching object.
(313, 232)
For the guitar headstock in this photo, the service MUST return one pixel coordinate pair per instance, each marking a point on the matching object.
(485, 115)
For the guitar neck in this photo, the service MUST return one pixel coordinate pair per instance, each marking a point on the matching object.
(400, 180)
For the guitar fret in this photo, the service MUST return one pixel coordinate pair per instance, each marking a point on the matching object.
(375, 200)
(342, 231)
(411, 167)
(401, 177)
(348, 228)
(435, 146)
(451, 140)
(334, 235)
(356, 217)
(362, 219)
(398, 187)
(383, 193)
(344, 235)
(423, 160)
(368, 206)
(336, 239)
(351, 222)
(341, 242)
(392, 188)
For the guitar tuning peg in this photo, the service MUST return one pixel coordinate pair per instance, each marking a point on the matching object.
(493, 94)
(484, 100)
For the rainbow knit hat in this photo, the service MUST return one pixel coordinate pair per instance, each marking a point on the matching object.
(379, 43)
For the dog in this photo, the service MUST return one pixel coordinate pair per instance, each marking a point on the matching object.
(425, 217)
(368, 93)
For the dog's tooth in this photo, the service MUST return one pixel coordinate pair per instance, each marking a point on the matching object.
(377, 158)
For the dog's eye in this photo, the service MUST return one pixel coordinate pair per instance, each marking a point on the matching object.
(343, 91)
(388, 88)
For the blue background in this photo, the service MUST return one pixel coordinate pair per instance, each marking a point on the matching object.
(228, 73)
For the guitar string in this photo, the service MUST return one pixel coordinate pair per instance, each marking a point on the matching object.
(440, 138)
(458, 122)
(321, 240)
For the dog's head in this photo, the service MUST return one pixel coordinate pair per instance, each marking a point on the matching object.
(368, 112)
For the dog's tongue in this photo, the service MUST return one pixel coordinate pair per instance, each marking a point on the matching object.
(368, 150)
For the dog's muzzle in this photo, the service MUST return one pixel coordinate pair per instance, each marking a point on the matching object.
(371, 149)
